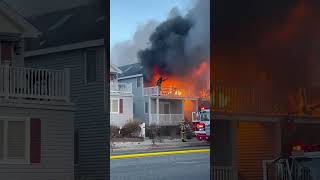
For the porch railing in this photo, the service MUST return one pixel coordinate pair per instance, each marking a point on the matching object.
(120, 88)
(167, 92)
(258, 100)
(224, 173)
(30, 83)
(165, 119)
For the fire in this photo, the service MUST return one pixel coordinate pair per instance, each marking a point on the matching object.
(188, 85)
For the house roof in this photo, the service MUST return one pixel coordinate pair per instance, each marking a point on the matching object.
(80, 24)
(131, 69)
(29, 31)
(114, 69)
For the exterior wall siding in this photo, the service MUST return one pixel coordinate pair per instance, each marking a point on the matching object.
(90, 115)
(56, 145)
(127, 115)
(138, 98)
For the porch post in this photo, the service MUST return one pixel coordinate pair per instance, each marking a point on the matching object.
(149, 108)
(157, 109)
(182, 105)
(234, 134)
(67, 84)
(6, 81)
(197, 105)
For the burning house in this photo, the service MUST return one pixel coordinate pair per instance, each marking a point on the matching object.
(174, 71)
(266, 71)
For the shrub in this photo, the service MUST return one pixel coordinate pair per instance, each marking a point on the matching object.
(114, 131)
(130, 129)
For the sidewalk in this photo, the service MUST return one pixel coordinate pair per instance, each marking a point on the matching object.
(147, 145)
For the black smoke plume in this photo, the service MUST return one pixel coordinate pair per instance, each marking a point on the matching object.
(179, 44)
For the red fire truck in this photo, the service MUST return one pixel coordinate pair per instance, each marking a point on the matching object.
(201, 124)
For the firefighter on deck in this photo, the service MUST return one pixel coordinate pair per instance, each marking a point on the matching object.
(159, 82)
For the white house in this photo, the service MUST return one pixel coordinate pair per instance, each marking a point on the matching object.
(36, 126)
(121, 99)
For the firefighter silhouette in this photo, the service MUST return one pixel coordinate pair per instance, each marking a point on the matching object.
(183, 131)
(159, 82)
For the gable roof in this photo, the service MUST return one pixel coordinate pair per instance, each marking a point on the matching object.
(70, 26)
(131, 70)
(114, 69)
(30, 31)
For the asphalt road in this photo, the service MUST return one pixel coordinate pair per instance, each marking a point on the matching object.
(193, 166)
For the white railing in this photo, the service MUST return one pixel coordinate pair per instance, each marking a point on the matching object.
(120, 88)
(166, 119)
(30, 83)
(224, 173)
(167, 92)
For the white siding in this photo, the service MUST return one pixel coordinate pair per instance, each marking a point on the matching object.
(90, 114)
(56, 145)
(127, 115)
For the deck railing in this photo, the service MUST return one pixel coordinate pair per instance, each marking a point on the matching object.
(258, 100)
(30, 83)
(224, 173)
(167, 92)
(120, 88)
(165, 119)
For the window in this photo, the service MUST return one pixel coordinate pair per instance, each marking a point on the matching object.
(138, 82)
(146, 107)
(6, 52)
(166, 108)
(14, 140)
(114, 107)
(91, 65)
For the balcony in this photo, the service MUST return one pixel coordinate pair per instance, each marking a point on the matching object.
(260, 101)
(170, 92)
(165, 119)
(34, 84)
(120, 88)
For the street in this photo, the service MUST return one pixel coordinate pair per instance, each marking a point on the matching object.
(192, 166)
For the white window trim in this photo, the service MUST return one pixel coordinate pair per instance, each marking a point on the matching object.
(85, 67)
(118, 99)
(27, 142)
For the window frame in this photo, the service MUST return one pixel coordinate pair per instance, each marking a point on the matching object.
(5, 159)
(86, 66)
(163, 105)
(111, 103)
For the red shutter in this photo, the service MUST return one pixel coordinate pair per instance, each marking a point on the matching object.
(6, 52)
(35, 140)
(121, 105)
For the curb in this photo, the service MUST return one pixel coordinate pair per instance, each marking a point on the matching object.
(158, 154)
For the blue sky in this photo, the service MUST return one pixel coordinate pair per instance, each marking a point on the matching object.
(126, 15)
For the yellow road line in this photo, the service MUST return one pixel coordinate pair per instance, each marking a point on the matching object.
(158, 154)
